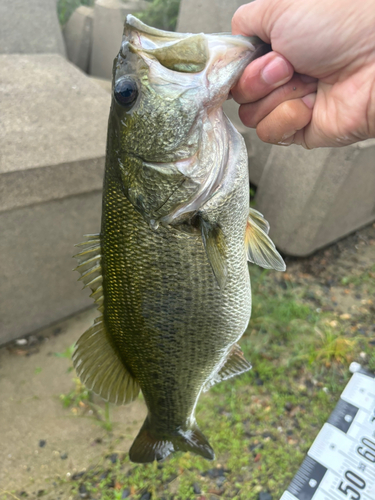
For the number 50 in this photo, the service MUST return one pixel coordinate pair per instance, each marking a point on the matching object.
(356, 481)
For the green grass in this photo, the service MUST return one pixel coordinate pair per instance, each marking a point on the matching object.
(65, 8)
(262, 423)
(161, 14)
(365, 280)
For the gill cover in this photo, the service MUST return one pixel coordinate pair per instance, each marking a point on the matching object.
(167, 87)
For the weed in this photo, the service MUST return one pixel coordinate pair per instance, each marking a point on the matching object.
(331, 347)
(80, 399)
(65, 8)
(161, 14)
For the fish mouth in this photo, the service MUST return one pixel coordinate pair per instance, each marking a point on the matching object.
(188, 52)
(133, 23)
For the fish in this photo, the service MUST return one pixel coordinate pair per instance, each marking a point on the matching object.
(169, 268)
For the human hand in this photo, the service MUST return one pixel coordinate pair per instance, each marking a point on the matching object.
(317, 87)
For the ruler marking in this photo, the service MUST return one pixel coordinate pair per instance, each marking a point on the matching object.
(333, 458)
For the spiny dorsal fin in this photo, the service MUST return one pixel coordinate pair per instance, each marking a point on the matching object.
(260, 248)
(216, 249)
(89, 266)
(235, 364)
(100, 367)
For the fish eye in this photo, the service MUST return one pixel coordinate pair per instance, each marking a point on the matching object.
(125, 91)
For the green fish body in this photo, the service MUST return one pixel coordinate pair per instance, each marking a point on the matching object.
(169, 267)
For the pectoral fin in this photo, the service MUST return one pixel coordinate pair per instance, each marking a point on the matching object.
(100, 367)
(259, 247)
(216, 249)
(235, 364)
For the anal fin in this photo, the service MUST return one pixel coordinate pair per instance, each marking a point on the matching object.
(235, 364)
(100, 368)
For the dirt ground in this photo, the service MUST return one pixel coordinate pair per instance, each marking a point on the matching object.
(40, 439)
(43, 441)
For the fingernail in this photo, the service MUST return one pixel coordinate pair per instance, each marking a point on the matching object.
(276, 71)
(287, 138)
(309, 100)
(307, 79)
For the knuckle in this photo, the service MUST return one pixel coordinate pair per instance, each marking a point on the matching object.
(237, 17)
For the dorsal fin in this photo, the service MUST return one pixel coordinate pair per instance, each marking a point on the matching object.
(235, 364)
(89, 267)
(259, 247)
(97, 362)
(100, 367)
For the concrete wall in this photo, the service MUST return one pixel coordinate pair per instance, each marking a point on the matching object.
(78, 37)
(54, 125)
(312, 198)
(30, 27)
(109, 17)
(213, 16)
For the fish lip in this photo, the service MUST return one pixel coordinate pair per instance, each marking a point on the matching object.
(133, 22)
(253, 42)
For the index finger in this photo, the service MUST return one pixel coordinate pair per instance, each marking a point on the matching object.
(261, 77)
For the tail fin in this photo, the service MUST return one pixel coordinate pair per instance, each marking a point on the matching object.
(147, 447)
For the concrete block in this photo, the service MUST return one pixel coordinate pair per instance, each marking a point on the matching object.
(109, 17)
(38, 286)
(53, 136)
(215, 16)
(30, 27)
(78, 37)
(312, 198)
(103, 83)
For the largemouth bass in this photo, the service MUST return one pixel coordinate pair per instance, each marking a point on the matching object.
(168, 269)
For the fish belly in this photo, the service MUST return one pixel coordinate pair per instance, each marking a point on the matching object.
(163, 308)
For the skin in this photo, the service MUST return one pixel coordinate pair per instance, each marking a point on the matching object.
(317, 87)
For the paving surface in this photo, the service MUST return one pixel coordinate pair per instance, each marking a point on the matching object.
(32, 378)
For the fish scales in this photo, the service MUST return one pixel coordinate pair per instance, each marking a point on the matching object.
(161, 287)
(169, 267)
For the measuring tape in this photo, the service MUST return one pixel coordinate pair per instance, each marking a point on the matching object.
(341, 462)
